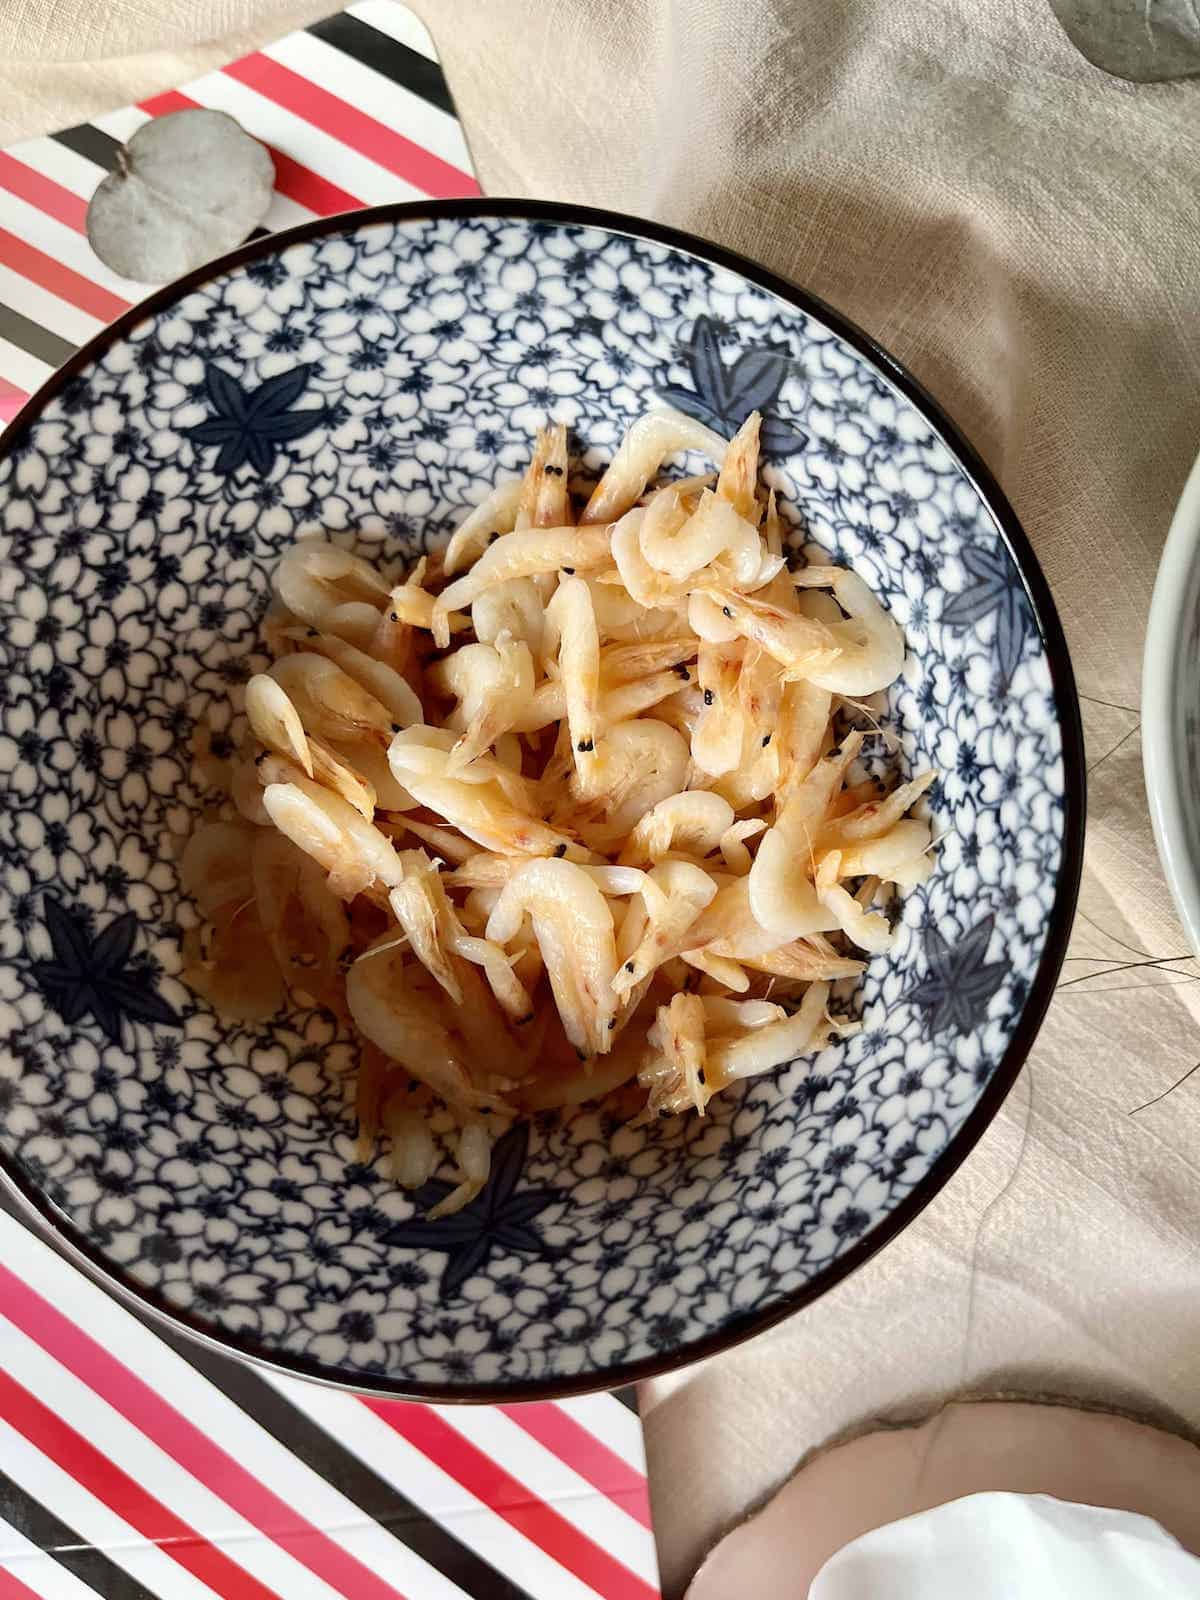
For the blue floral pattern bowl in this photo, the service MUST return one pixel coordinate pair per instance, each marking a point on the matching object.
(371, 376)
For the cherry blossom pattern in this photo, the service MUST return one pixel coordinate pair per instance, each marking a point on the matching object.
(369, 383)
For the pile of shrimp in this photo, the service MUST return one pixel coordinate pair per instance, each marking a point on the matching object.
(563, 809)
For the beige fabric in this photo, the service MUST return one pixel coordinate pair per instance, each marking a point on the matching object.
(1023, 231)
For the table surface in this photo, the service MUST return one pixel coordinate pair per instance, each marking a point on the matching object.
(1019, 228)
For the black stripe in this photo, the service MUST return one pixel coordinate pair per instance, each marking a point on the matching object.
(33, 338)
(373, 1495)
(91, 144)
(628, 1398)
(49, 1533)
(386, 55)
(259, 233)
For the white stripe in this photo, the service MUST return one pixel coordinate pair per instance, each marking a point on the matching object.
(122, 124)
(284, 213)
(388, 102)
(92, 1520)
(218, 1417)
(67, 167)
(302, 141)
(63, 244)
(612, 1423)
(174, 1487)
(398, 22)
(46, 309)
(26, 371)
(556, 1484)
(39, 1571)
(439, 1495)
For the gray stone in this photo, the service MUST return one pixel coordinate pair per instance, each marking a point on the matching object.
(1147, 41)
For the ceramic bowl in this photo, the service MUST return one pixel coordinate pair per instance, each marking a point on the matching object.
(370, 376)
(1171, 708)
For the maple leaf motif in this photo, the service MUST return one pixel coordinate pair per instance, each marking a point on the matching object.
(497, 1219)
(996, 590)
(250, 425)
(724, 396)
(959, 983)
(90, 975)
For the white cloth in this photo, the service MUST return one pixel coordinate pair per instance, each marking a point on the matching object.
(1011, 1547)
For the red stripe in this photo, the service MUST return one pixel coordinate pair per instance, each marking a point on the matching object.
(11, 1587)
(42, 269)
(181, 1439)
(172, 100)
(11, 400)
(298, 183)
(510, 1499)
(352, 127)
(42, 192)
(309, 189)
(104, 1479)
(581, 1450)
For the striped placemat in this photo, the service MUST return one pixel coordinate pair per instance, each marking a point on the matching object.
(355, 111)
(137, 1465)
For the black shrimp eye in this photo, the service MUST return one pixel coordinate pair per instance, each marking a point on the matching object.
(708, 697)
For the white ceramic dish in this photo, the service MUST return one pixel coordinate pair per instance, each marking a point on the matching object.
(1171, 708)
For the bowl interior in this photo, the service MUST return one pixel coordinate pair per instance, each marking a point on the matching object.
(370, 379)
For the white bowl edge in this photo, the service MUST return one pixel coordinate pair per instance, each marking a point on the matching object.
(1178, 851)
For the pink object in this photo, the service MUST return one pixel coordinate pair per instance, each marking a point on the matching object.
(1089, 1457)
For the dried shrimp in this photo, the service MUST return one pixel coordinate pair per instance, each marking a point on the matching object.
(562, 811)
